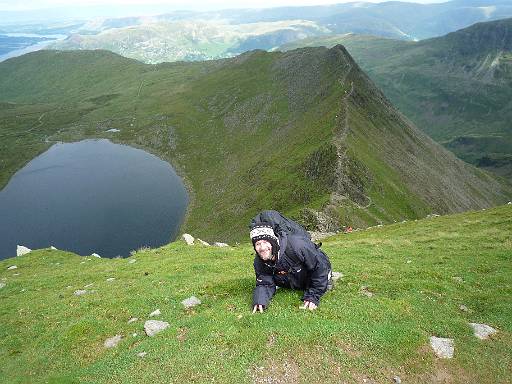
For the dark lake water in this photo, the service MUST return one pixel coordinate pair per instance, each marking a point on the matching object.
(92, 196)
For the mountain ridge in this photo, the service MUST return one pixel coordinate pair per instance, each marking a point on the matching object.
(456, 88)
(342, 155)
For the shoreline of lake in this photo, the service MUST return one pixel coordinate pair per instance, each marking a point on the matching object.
(109, 200)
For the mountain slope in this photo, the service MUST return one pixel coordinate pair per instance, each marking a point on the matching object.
(427, 278)
(304, 132)
(456, 88)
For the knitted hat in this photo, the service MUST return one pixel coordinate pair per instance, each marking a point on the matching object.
(265, 232)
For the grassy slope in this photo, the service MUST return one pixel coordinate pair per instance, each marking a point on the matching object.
(452, 87)
(50, 335)
(247, 133)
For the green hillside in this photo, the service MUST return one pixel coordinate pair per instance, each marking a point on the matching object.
(456, 88)
(430, 277)
(303, 132)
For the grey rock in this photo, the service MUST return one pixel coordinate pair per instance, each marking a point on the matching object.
(203, 242)
(21, 250)
(366, 291)
(482, 331)
(96, 255)
(2, 285)
(152, 327)
(141, 354)
(397, 380)
(315, 236)
(113, 130)
(189, 239)
(191, 302)
(443, 348)
(463, 308)
(80, 292)
(336, 276)
(53, 248)
(133, 320)
(217, 244)
(12, 267)
(155, 313)
(112, 342)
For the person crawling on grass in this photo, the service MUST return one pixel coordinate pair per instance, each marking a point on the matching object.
(286, 257)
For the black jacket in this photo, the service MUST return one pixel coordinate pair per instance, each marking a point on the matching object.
(300, 265)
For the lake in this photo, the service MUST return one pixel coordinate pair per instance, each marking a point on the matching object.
(92, 196)
(30, 48)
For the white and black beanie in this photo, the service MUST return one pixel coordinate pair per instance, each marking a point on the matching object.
(265, 232)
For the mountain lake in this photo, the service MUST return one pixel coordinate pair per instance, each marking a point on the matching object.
(92, 196)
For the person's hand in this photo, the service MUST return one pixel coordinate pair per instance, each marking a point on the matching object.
(258, 308)
(308, 305)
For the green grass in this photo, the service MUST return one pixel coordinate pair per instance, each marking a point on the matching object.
(249, 133)
(50, 335)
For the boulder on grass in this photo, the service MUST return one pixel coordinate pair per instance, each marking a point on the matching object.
(443, 348)
(21, 250)
(482, 331)
(152, 327)
(189, 239)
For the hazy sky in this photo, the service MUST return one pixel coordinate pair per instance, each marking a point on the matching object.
(16, 5)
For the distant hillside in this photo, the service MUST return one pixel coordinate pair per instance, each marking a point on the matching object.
(189, 40)
(217, 34)
(304, 132)
(401, 285)
(456, 88)
(395, 19)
